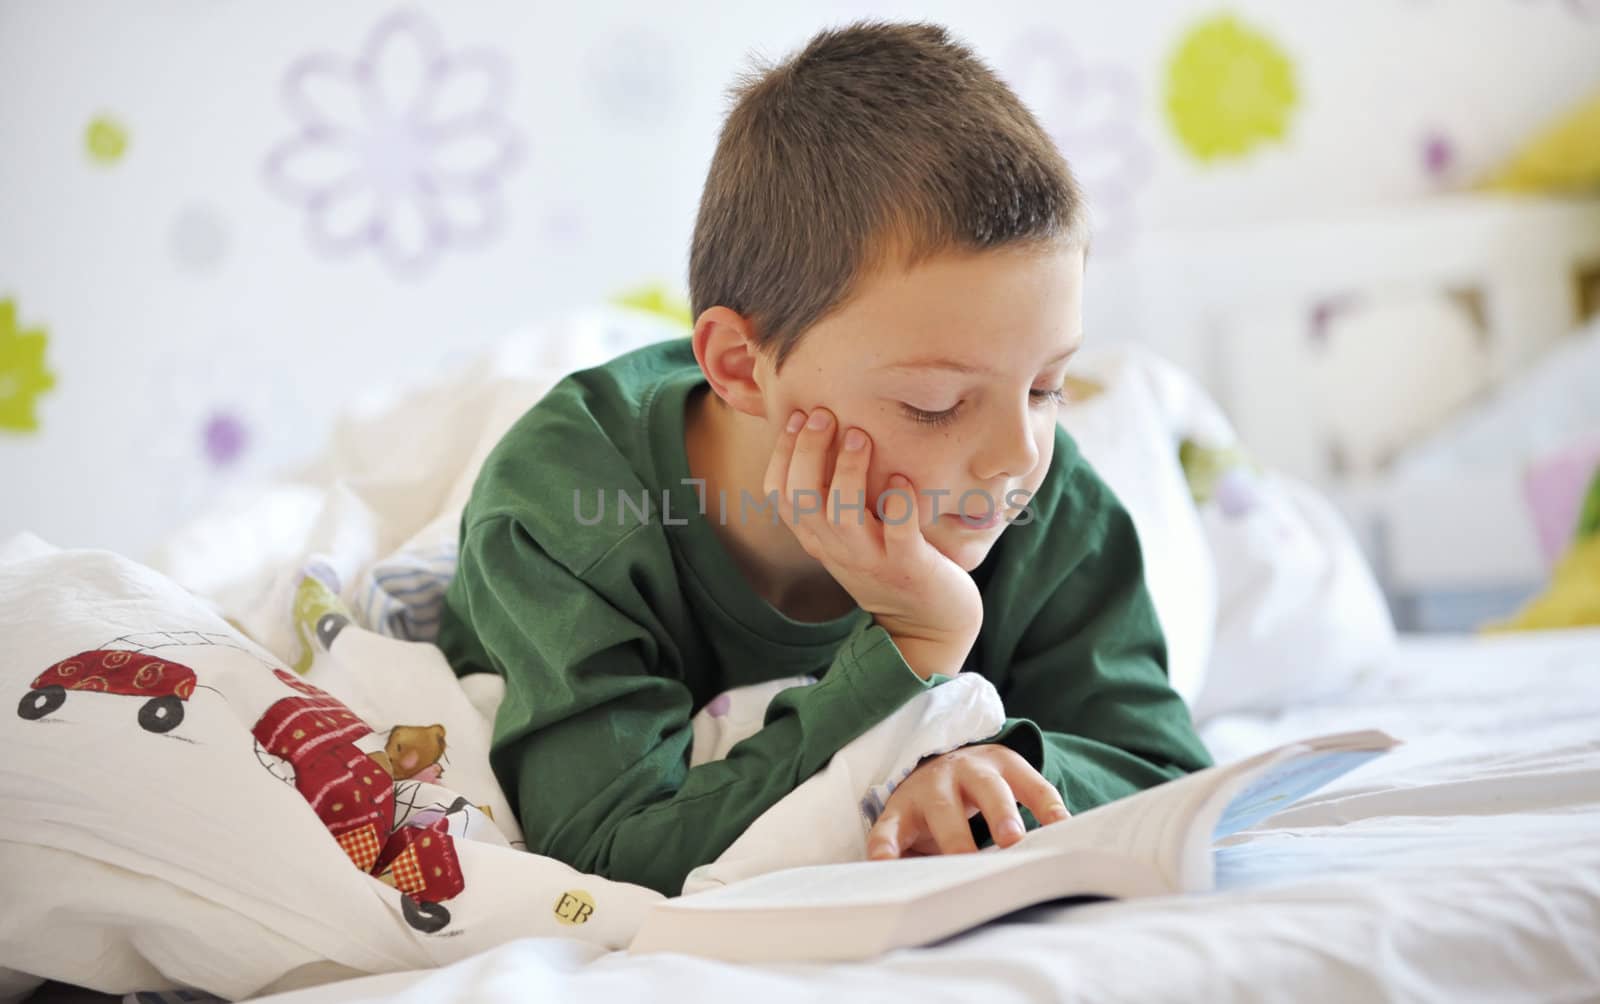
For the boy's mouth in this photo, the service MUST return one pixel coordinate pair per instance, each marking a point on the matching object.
(987, 521)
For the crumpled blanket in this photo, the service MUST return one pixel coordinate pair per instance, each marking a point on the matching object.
(308, 796)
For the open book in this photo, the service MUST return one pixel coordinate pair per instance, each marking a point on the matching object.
(1153, 843)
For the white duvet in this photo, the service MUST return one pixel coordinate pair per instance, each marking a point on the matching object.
(185, 808)
(1464, 866)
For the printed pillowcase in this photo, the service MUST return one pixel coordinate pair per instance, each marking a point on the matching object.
(184, 810)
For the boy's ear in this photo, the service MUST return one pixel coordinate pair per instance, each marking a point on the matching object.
(725, 347)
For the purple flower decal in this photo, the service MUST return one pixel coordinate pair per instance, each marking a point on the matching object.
(1090, 112)
(402, 149)
(719, 705)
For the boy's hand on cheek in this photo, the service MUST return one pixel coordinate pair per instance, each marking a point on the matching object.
(928, 812)
(927, 603)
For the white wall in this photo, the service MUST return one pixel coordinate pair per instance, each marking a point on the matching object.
(177, 285)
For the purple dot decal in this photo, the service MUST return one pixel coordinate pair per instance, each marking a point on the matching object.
(1438, 155)
(1324, 312)
(719, 705)
(225, 439)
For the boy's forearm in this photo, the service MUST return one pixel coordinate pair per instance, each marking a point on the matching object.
(649, 821)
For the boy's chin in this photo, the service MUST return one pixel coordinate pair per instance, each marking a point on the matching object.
(968, 553)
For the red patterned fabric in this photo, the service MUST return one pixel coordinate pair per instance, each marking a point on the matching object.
(302, 686)
(423, 863)
(119, 671)
(361, 846)
(352, 795)
(317, 735)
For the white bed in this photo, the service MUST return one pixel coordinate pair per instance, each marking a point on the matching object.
(1464, 866)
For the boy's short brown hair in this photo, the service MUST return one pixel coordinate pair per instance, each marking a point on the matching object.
(877, 141)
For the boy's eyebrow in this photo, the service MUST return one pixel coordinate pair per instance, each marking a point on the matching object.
(956, 365)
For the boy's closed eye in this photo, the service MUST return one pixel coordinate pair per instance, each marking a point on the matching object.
(1039, 396)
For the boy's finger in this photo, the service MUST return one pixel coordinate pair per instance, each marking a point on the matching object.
(847, 498)
(944, 815)
(777, 476)
(1032, 790)
(901, 531)
(888, 836)
(998, 804)
(806, 475)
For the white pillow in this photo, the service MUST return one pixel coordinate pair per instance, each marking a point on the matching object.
(1300, 616)
(1265, 599)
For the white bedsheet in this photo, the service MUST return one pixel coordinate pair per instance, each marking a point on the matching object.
(1463, 866)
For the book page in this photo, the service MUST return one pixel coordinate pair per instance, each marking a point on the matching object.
(1148, 828)
(1169, 827)
(1283, 784)
(856, 883)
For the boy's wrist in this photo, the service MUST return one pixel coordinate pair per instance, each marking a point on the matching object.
(928, 657)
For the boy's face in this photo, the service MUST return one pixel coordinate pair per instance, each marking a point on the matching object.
(952, 368)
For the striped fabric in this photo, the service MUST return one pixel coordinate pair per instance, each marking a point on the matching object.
(403, 596)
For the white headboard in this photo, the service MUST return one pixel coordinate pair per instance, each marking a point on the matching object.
(1331, 342)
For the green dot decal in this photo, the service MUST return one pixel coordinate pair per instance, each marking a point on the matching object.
(1230, 88)
(106, 140)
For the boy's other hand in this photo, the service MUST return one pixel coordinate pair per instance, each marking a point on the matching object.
(927, 603)
(928, 812)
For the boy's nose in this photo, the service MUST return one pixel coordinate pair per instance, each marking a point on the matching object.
(1008, 452)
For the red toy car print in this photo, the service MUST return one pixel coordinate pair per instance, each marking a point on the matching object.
(164, 684)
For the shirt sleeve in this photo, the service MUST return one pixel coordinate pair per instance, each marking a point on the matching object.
(1095, 712)
(593, 739)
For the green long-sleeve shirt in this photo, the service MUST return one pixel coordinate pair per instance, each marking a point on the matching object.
(612, 633)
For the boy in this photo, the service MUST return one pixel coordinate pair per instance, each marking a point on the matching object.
(886, 275)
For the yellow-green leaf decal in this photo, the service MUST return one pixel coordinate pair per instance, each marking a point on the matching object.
(656, 299)
(105, 140)
(23, 376)
(1230, 88)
